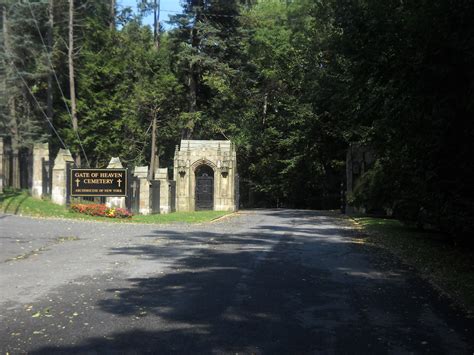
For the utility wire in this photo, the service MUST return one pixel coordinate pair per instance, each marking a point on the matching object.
(182, 13)
(48, 55)
(39, 106)
(213, 15)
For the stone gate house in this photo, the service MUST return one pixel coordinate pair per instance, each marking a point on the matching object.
(206, 175)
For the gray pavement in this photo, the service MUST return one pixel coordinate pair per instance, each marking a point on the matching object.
(261, 282)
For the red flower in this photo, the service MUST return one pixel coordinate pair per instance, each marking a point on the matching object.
(100, 210)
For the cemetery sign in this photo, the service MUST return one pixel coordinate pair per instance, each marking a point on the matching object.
(98, 182)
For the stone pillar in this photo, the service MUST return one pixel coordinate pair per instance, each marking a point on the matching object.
(1, 165)
(225, 179)
(142, 173)
(40, 154)
(60, 176)
(182, 177)
(115, 163)
(7, 153)
(165, 202)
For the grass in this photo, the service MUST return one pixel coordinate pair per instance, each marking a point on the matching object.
(449, 267)
(20, 203)
(187, 217)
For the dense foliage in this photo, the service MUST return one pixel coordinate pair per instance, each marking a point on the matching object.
(293, 83)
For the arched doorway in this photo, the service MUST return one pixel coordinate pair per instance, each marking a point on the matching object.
(204, 192)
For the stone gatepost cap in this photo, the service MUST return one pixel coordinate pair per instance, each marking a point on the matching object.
(40, 146)
(161, 173)
(115, 163)
(64, 156)
(141, 171)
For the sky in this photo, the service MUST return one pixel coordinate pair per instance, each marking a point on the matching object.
(168, 7)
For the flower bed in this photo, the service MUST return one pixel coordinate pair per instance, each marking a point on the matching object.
(100, 210)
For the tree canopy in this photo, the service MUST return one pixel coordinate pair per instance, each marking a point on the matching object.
(292, 83)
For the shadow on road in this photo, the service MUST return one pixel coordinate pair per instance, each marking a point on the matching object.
(305, 295)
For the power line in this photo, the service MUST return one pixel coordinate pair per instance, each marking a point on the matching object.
(182, 13)
(48, 55)
(39, 106)
(206, 14)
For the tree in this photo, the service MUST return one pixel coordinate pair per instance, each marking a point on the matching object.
(206, 52)
(24, 73)
(50, 44)
(147, 7)
(407, 91)
(72, 85)
(11, 99)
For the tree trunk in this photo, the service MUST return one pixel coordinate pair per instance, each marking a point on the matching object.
(192, 79)
(15, 169)
(49, 93)
(151, 173)
(72, 89)
(195, 42)
(192, 88)
(112, 15)
(156, 23)
(15, 141)
(3, 73)
(265, 106)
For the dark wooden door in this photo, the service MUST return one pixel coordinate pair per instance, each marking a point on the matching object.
(204, 190)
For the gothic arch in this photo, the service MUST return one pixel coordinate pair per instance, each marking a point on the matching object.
(203, 161)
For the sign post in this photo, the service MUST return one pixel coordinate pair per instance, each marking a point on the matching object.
(98, 182)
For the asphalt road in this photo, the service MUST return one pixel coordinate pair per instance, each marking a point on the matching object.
(262, 282)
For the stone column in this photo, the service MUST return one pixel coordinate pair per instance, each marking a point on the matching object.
(1, 165)
(234, 179)
(40, 153)
(225, 180)
(59, 176)
(7, 153)
(165, 202)
(182, 177)
(115, 163)
(142, 173)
